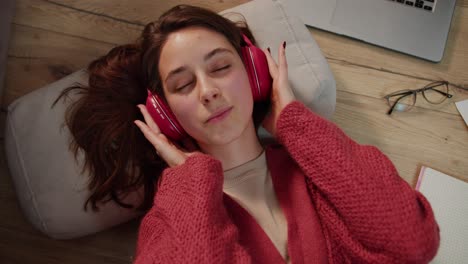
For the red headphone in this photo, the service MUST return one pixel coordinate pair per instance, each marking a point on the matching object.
(260, 83)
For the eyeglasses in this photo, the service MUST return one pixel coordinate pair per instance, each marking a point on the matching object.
(403, 100)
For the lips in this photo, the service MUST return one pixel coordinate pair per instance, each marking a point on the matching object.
(219, 114)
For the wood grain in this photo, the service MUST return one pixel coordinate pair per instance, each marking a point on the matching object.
(38, 57)
(120, 22)
(377, 83)
(420, 137)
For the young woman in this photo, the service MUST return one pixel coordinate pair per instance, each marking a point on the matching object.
(221, 196)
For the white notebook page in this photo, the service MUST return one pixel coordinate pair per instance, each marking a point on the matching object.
(449, 200)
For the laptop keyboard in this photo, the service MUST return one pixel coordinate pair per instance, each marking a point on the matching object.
(428, 5)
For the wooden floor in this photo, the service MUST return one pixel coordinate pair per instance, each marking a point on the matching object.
(52, 38)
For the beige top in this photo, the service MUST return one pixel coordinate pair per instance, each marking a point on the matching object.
(250, 185)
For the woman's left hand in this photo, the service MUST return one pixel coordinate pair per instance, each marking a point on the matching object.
(281, 92)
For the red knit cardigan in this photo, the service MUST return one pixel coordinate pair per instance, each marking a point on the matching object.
(353, 193)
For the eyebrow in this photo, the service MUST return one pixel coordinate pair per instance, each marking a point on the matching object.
(208, 56)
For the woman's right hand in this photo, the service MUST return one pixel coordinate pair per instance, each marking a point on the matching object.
(172, 154)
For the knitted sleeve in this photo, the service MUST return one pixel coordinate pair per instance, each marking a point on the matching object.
(188, 222)
(363, 203)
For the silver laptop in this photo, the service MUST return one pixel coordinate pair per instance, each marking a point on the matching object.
(416, 27)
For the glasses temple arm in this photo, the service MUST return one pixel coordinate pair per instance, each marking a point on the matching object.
(443, 93)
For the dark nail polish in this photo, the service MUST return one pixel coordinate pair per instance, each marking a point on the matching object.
(269, 51)
(284, 44)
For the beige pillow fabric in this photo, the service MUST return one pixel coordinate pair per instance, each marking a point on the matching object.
(50, 187)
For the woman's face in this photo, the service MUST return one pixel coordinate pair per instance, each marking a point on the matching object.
(206, 85)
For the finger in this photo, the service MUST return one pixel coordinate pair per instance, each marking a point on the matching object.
(272, 67)
(148, 119)
(282, 61)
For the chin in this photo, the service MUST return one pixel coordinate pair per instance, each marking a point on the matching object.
(223, 138)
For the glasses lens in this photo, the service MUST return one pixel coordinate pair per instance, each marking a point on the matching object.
(436, 94)
(404, 100)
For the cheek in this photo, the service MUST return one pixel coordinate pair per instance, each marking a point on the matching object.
(185, 110)
(239, 87)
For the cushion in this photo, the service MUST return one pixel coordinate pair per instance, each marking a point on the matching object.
(49, 183)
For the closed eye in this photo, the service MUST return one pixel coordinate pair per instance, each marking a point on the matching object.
(183, 86)
(222, 68)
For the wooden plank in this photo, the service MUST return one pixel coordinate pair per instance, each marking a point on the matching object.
(375, 83)
(120, 22)
(56, 18)
(39, 57)
(115, 22)
(17, 247)
(409, 138)
(140, 11)
(422, 136)
(463, 3)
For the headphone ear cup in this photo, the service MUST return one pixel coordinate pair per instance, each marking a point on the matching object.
(164, 118)
(256, 65)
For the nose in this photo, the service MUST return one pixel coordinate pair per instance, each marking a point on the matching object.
(208, 90)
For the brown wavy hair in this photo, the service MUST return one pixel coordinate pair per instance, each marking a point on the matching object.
(117, 156)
